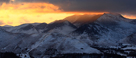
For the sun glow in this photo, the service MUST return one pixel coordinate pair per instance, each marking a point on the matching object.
(130, 16)
(19, 13)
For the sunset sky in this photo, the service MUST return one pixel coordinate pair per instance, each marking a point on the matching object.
(16, 12)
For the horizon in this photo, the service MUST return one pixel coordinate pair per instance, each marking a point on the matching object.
(80, 14)
(17, 12)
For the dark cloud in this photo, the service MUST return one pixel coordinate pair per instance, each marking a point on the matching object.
(6, 1)
(121, 6)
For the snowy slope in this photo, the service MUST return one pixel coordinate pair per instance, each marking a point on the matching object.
(61, 25)
(16, 42)
(108, 29)
(131, 39)
(26, 28)
(62, 36)
(60, 44)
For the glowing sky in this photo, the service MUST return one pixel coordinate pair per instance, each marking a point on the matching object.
(16, 12)
(19, 13)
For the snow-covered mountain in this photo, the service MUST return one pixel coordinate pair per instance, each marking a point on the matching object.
(74, 34)
(109, 27)
(26, 28)
(118, 26)
(63, 26)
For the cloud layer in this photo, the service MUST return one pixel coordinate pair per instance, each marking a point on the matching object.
(19, 13)
(16, 12)
(121, 6)
(29, 7)
(6, 1)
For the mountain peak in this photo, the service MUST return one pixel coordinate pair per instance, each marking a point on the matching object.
(113, 15)
(116, 14)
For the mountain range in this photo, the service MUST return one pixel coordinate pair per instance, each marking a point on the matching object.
(74, 34)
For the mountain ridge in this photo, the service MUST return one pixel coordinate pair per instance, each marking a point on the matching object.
(62, 36)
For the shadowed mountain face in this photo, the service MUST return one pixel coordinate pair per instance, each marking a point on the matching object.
(58, 24)
(91, 29)
(79, 20)
(34, 26)
(131, 39)
(133, 21)
(41, 26)
(78, 34)
(28, 27)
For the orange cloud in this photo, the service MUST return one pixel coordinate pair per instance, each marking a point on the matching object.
(130, 16)
(29, 7)
(12, 0)
(1, 22)
(20, 13)
(9, 23)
